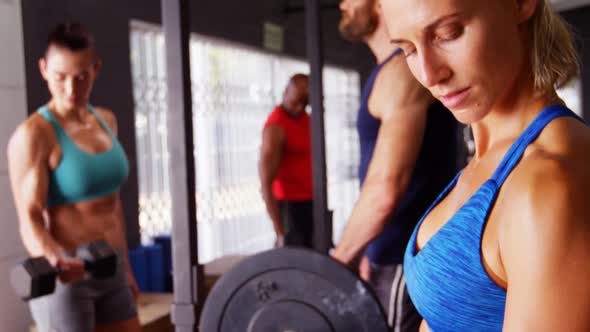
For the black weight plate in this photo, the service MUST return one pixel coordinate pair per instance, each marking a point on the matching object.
(294, 290)
(286, 316)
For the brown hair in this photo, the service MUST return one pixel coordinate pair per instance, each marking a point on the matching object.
(72, 36)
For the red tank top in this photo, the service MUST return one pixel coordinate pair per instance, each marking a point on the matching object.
(294, 178)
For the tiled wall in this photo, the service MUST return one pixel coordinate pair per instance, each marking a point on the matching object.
(14, 315)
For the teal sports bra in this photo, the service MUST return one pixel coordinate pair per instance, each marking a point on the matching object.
(82, 176)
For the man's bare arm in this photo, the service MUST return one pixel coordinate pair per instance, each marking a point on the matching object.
(401, 104)
(273, 138)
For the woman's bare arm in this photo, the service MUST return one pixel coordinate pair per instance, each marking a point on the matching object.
(28, 151)
(545, 249)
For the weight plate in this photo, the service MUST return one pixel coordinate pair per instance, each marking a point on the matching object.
(291, 290)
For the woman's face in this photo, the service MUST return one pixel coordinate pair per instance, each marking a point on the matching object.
(470, 54)
(70, 75)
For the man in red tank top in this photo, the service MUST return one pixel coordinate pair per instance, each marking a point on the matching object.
(285, 166)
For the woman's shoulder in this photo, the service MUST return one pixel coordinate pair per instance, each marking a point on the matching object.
(108, 116)
(561, 150)
(104, 112)
(553, 177)
(35, 126)
(35, 135)
(564, 134)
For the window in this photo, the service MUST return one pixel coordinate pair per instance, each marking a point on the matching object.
(234, 88)
(571, 94)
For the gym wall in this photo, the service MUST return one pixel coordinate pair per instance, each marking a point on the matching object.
(578, 19)
(13, 313)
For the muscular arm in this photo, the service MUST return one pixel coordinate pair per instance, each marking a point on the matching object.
(545, 249)
(28, 153)
(273, 138)
(401, 104)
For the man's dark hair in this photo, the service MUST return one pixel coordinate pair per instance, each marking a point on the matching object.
(72, 36)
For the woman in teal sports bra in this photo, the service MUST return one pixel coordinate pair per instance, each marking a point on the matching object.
(66, 167)
(507, 245)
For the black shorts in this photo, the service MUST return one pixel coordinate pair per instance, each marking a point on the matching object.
(390, 285)
(297, 222)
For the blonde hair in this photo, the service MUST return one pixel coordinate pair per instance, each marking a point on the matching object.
(554, 57)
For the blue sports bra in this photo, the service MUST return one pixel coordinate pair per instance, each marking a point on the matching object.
(446, 279)
(82, 176)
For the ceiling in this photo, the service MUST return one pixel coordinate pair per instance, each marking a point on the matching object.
(557, 4)
(568, 4)
(301, 2)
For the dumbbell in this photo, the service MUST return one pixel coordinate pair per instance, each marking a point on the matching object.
(35, 277)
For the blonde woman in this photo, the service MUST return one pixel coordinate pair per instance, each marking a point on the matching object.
(506, 246)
